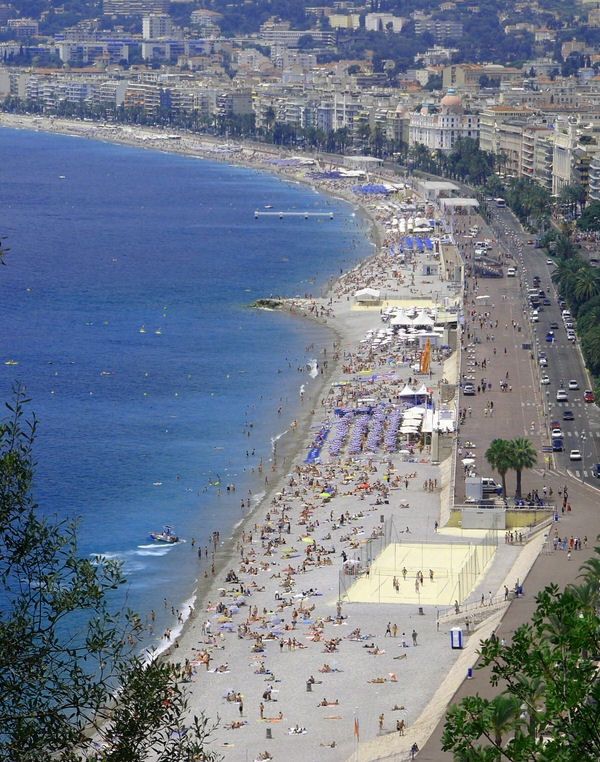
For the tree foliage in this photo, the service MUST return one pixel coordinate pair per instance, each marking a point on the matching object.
(71, 680)
(517, 454)
(547, 704)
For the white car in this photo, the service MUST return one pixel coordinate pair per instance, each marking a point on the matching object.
(574, 455)
(573, 384)
(571, 336)
(550, 262)
(544, 380)
(561, 396)
(557, 434)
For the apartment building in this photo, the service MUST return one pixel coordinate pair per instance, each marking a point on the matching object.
(536, 154)
(156, 25)
(490, 121)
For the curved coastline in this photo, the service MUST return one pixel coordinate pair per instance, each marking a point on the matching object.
(293, 445)
(433, 662)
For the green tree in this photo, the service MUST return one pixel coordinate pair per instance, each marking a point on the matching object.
(498, 455)
(64, 652)
(590, 217)
(547, 680)
(522, 455)
(587, 284)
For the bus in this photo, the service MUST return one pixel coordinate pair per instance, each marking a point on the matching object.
(500, 202)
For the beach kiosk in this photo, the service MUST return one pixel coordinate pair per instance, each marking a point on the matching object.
(456, 637)
(368, 296)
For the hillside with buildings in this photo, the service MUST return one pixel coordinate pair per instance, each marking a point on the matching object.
(387, 79)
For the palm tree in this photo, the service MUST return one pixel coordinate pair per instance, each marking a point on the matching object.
(498, 455)
(504, 715)
(587, 284)
(522, 455)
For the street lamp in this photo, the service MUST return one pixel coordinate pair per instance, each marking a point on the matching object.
(583, 438)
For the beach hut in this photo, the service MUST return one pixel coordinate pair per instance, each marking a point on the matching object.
(368, 296)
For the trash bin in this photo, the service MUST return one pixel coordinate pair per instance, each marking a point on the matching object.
(308, 686)
(269, 733)
(470, 673)
(456, 637)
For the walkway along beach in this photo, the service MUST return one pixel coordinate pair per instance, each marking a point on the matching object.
(317, 633)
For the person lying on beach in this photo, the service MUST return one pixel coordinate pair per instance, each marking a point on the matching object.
(397, 708)
(375, 651)
(264, 755)
(297, 730)
(377, 680)
(325, 668)
(234, 724)
(330, 745)
(324, 702)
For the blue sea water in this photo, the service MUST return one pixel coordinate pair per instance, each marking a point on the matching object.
(124, 312)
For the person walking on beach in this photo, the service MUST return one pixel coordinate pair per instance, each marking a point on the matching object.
(414, 637)
(388, 630)
(381, 722)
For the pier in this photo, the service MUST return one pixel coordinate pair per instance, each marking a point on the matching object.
(281, 215)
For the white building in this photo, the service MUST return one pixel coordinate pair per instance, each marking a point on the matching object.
(441, 130)
(156, 25)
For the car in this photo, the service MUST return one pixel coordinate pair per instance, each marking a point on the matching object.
(511, 272)
(573, 385)
(543, 362)
(544, 380)
(557, 445)
(568, 415)
(588, 395)
(469, 390)
(562, 396)
(550, 262)
(546, 302)
(571, 337)
(554, 326)
(556, 433)
(596, 470)
(575, 455)
(549, 335)
(569, 326)
(535, 318)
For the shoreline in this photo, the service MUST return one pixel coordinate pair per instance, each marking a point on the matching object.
(357, 697)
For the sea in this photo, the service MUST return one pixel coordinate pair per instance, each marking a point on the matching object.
(125, 314)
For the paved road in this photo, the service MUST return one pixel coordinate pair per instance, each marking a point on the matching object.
(565, 361)
(514, 413)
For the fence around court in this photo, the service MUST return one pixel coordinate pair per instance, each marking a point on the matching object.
(370, 577)
(363, 556)
(475, 564)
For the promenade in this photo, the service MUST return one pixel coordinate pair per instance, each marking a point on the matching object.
(517, 413)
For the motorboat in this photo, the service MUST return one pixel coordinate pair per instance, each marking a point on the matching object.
(167, 535)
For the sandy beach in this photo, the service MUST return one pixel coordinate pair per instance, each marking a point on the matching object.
(321, 628)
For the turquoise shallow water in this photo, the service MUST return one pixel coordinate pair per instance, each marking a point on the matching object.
(124, 306)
